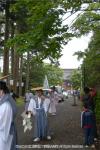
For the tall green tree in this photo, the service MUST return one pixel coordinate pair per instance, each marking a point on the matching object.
(38, 70)
(76, 79)
(35, 28)
(45, 33)
(89, 21)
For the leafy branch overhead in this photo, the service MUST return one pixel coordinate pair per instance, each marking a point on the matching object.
(40, 28)
(89, 22)
(32, 27)
(80, 54)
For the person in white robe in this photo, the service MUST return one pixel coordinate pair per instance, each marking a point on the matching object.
(28, 96)
(54, 98)
(39, 106)
(7, 115)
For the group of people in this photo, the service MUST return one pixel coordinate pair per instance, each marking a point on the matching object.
(39, 105)
(88, 117)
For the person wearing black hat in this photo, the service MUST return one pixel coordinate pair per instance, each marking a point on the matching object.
(7, 115)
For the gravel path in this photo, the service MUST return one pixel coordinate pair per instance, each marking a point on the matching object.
(65, 129)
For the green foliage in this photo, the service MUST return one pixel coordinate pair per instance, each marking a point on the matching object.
(20, 101)
(87, 22)
(92, 61)
(98, 107)
(79, 54)
(38, 70)
(54, 74)
(76, 79)
(39, 28)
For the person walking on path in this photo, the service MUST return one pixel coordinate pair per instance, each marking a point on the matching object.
(54, 98)
(28, 96)
(14, 95)
(88, 99)
(39, 106)
(87, 123)
(8, 136)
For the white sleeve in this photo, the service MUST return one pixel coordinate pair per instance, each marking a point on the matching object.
(56, 97)
(81, 119)
(31, 95)
(5, 120)
(32, 106)
(46, 104)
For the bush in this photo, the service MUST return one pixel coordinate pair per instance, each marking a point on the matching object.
(98, 107)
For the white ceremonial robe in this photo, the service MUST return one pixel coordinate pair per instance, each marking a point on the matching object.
(5, 124)
(28, 97)
(39, 108)
(32, 105)
(54, 98)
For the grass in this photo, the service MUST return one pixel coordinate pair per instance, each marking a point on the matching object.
(20, 101)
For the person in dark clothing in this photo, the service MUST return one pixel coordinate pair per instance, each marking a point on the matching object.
(87, 123)
(88, 99)
(14, 96)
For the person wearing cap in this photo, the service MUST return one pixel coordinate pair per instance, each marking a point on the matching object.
(39, 106)
(8, 136)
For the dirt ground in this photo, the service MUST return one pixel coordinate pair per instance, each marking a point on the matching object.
(65, 129)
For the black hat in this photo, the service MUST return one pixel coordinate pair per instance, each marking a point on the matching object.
(86, 90)
(4, 87)
(2, 84)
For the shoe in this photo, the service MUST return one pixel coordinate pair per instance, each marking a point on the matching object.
(92, 146)
(36, 140)
(48, 137)
(86, 146)
(53, 114)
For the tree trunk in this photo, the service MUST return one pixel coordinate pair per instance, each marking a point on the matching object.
(16, 72)
(6, 50)
(20, 76)
(16, 66)
(12, 49)
(27, 72)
